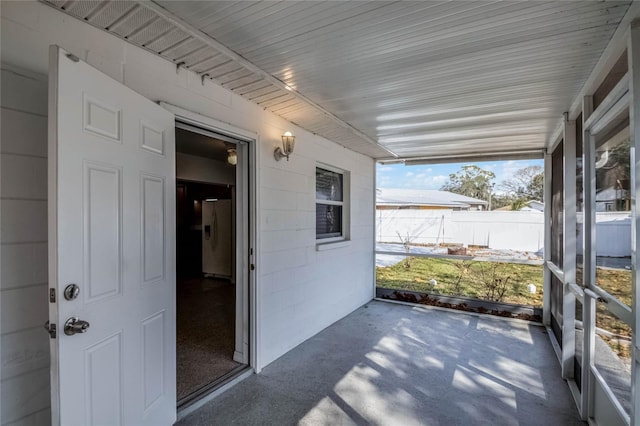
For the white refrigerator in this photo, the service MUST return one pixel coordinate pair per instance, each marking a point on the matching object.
(217, 238)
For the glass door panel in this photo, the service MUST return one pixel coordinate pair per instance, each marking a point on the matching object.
(613, 269)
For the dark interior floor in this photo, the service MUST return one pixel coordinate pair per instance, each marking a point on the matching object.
(205, 332)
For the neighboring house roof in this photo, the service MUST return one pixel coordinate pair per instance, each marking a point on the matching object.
(424, 197)
(529, 206)
(533, 206)
(611, 194)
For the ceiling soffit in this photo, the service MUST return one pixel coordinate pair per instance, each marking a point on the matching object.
(386, 79)
(153, 28)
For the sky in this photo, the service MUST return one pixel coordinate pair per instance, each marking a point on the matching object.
(433, 176)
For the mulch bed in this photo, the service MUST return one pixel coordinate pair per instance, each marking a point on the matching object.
(425, 299)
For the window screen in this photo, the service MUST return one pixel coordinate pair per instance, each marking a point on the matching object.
(329, 204)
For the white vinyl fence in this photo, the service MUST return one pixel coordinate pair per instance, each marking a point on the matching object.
(500, 230)
(613, 234)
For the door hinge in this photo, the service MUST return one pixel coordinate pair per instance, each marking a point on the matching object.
(73, 57)
(51, 329)
(52, 295)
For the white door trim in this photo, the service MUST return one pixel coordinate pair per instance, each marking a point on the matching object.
(209, 123)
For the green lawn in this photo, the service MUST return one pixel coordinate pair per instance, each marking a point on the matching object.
(616, 282)
(465, 278)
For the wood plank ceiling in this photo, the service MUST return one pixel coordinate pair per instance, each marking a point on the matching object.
(408, 79)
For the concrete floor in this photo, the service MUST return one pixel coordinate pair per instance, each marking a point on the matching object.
(391, 364)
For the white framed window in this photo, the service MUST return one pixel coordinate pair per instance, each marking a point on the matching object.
(331, 204)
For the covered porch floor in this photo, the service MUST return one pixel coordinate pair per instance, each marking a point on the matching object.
(392, 364)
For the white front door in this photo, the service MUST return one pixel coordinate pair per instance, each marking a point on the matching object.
(112, 234)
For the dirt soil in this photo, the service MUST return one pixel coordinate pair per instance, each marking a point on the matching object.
(425, 299)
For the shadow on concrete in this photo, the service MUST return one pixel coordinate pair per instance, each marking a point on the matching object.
(392, 364)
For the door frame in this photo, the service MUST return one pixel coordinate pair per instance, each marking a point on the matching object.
(600, 398)
(596, 401)
(249, 157)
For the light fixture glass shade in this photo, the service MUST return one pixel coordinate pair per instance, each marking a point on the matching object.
(232, 156)
(288, 142)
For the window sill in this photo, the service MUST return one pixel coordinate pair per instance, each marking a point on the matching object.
(332, 245)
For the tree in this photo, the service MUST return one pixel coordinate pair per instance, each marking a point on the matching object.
(518, 203)
(526, 184)
(501, 200)
(471, 181)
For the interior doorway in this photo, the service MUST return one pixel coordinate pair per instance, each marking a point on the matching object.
(210, 290)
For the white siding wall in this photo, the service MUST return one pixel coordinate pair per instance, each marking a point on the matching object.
(23, 284)
(300, 290)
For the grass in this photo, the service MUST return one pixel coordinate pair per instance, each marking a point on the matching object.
(617, 283)
(461, 278)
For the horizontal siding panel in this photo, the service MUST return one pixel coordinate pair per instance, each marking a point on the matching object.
(23, 352)
(23, 177)
(23, 221)
(23, 265)
(23, 133)
(23, 93)
(39, 418)
(25, 395)
(24, 308)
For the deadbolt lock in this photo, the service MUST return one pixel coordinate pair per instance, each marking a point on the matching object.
(71, 291)
(75, 326)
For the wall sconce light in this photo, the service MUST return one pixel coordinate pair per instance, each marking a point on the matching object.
(232, 156)
(288, 141)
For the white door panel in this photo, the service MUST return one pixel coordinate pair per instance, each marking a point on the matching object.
(112, 232)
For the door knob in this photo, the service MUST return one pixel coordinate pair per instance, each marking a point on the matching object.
(74, 326)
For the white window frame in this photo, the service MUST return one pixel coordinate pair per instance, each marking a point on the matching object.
(345, 204)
